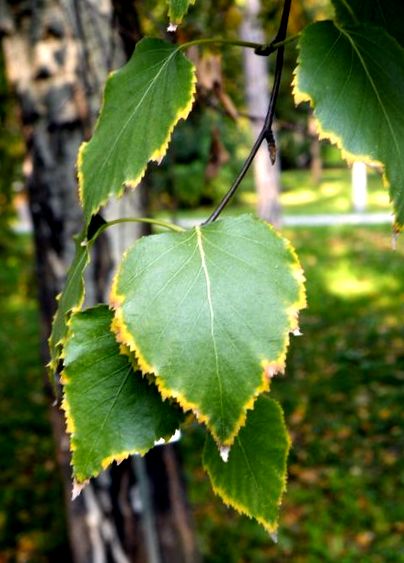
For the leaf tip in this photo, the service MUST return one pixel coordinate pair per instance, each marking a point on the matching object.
(176, 437)
(273, 536)
(249, 405)
(224, 452)
(77, 488)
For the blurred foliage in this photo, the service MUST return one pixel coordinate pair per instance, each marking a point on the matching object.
(32, 511)
(342, 394)
(182, 179)
(11, 154)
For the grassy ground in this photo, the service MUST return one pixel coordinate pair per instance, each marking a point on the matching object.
(341, 394)
(332, 195)
(299, 197)
(32, 526)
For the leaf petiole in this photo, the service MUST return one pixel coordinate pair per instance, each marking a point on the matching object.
(260, 48)
(157, 222)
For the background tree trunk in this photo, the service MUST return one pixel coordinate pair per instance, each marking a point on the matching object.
(267, 177)
(58, 55)
(316, 165)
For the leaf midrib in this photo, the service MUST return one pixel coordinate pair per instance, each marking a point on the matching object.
(212, 316)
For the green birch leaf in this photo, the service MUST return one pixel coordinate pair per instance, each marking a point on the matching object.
(177, 10)
(209, 312)
(387, 13)
(143, 101)
(354, 79)
(253, 478)
(69, 300)
(111, 411)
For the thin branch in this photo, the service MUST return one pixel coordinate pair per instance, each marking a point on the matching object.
(266, 131)
(259, 48)
(266, 50)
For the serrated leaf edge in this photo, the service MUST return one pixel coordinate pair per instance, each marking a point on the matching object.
(270, 367)
(58, 346)
(79, 479)
(156, 156)
(323, 134)
(270, 527)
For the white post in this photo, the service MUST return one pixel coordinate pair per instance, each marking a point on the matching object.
(359, 187)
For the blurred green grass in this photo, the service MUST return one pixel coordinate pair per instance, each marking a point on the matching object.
(300, 197)
(332, 195)
(32, 521)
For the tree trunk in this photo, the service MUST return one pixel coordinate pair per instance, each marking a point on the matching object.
(266, 175)
(316, 167)
(58, 55)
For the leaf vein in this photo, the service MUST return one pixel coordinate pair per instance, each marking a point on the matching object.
(212, 317)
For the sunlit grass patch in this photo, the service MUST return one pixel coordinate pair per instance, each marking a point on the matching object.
(300, 195)
(332, 195)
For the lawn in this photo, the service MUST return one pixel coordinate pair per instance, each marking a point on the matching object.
(300, 197)
(341, 394)
(32, 524)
